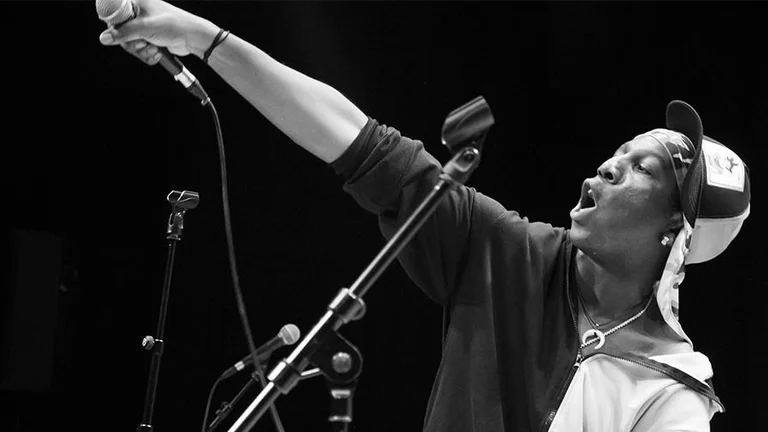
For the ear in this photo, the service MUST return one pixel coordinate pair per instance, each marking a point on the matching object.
(675, 222)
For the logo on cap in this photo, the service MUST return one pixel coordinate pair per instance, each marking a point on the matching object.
(724, 168)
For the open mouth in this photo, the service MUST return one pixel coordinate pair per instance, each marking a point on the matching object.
(587, 199)
(587, 202)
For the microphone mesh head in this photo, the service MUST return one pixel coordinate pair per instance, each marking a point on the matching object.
(290, 334)
(114, 12)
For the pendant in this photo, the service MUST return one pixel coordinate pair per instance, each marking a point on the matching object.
(594, 333)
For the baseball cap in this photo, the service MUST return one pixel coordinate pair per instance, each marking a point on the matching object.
(715, 193)
(714, 199)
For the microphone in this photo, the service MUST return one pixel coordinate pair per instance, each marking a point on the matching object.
(118, 12)
(288, 335)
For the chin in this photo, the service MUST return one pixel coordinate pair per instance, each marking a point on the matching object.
(577, 232)
(580, 238)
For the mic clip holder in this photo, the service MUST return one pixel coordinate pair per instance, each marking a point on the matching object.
(180, 203)
(464, 132)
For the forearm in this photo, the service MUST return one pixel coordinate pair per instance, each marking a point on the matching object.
(313, 114)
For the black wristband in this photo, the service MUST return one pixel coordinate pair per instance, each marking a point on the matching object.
(216, 42)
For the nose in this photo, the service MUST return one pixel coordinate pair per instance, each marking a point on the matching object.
(609, 172)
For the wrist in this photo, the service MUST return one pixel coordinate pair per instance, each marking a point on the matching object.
(201, 37)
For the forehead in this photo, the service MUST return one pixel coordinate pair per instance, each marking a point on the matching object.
(644, 145)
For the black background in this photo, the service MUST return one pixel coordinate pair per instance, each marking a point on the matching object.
(93, 141)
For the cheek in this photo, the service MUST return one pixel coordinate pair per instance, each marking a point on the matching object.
(634, 200)
(637, 206)
(651, 209)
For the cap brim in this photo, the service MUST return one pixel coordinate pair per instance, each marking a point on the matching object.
(682, 118)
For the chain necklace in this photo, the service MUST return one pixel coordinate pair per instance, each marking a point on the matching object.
(598, 335)
(589, 318)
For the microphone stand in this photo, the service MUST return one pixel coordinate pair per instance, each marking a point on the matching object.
(223, 412)
(463, 133)
(180, 203)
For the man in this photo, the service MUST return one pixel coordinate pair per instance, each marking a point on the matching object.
(546, 328)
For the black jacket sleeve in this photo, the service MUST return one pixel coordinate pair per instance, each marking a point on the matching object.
(390, 175)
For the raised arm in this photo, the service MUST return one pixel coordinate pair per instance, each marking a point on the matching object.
(313, 114)
(388, 174)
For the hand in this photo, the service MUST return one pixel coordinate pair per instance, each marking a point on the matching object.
(159, 24)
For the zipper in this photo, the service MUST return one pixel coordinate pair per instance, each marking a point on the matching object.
(577, 361)
(561, 394)
(655, 369)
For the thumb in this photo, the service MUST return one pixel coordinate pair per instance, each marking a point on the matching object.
(107, 37)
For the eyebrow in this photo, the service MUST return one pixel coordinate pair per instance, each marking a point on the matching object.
(625, 149)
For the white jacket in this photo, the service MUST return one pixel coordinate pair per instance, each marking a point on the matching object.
(651, 398)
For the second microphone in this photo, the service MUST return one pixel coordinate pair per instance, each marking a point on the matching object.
(288, 335)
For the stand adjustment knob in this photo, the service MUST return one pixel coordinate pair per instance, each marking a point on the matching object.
(342, 362)
(148, 342)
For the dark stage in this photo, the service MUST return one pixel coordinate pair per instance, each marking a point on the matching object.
(94, 141)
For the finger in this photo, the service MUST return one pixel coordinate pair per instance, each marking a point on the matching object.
(135, 29)
(154, 59)
(107, 38)
(142, 50)
(134, 46)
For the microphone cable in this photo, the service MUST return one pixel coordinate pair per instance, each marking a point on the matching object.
(208, 402)
(233, 263)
